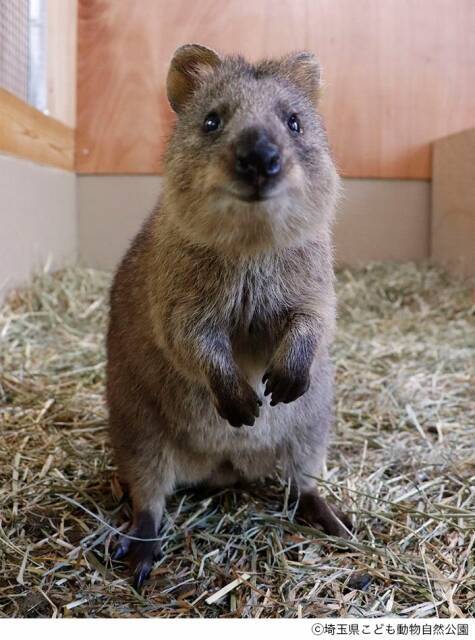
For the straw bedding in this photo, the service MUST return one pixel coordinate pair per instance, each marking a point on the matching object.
(402, 464)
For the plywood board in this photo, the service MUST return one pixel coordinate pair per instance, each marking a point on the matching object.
(453, 203)
(28, 133)
(398, 73)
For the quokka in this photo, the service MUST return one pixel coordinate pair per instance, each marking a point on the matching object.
(223, 309)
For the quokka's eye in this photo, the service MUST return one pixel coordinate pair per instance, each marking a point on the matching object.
(211, 122)
(294, 124)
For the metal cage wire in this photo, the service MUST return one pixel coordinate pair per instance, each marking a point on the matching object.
(23, 50)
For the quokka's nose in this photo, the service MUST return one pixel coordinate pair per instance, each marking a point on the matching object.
(257, 157)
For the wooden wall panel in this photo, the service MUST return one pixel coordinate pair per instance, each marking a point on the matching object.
(398, 73)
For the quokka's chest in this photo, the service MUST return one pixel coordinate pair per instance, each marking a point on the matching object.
(259, 312)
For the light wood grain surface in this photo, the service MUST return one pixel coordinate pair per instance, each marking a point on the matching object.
(453, 203)
(27, 133)
(398, 73)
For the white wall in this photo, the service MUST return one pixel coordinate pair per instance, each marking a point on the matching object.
(38, 220)
(51, 216)
(376, 219)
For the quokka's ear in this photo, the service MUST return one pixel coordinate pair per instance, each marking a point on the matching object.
(301, 69)
(190, 63)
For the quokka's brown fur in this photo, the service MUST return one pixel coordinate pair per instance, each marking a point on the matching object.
(227, 283)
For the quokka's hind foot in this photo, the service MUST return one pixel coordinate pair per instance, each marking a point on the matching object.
(315, 511)
(141, 555)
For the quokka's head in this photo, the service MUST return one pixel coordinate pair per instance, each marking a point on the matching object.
(248, 165)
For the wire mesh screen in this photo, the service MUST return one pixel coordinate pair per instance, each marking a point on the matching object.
(37, 81)
(14, 46)
(23, 50)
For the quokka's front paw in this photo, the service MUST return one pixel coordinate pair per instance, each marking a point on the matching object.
(285, 386)
(238, 404)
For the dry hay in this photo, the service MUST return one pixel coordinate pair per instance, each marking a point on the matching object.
(403, 463)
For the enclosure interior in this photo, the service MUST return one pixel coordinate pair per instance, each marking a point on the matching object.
(83, 124)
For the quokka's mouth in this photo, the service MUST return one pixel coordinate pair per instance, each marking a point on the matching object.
(255, 196)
